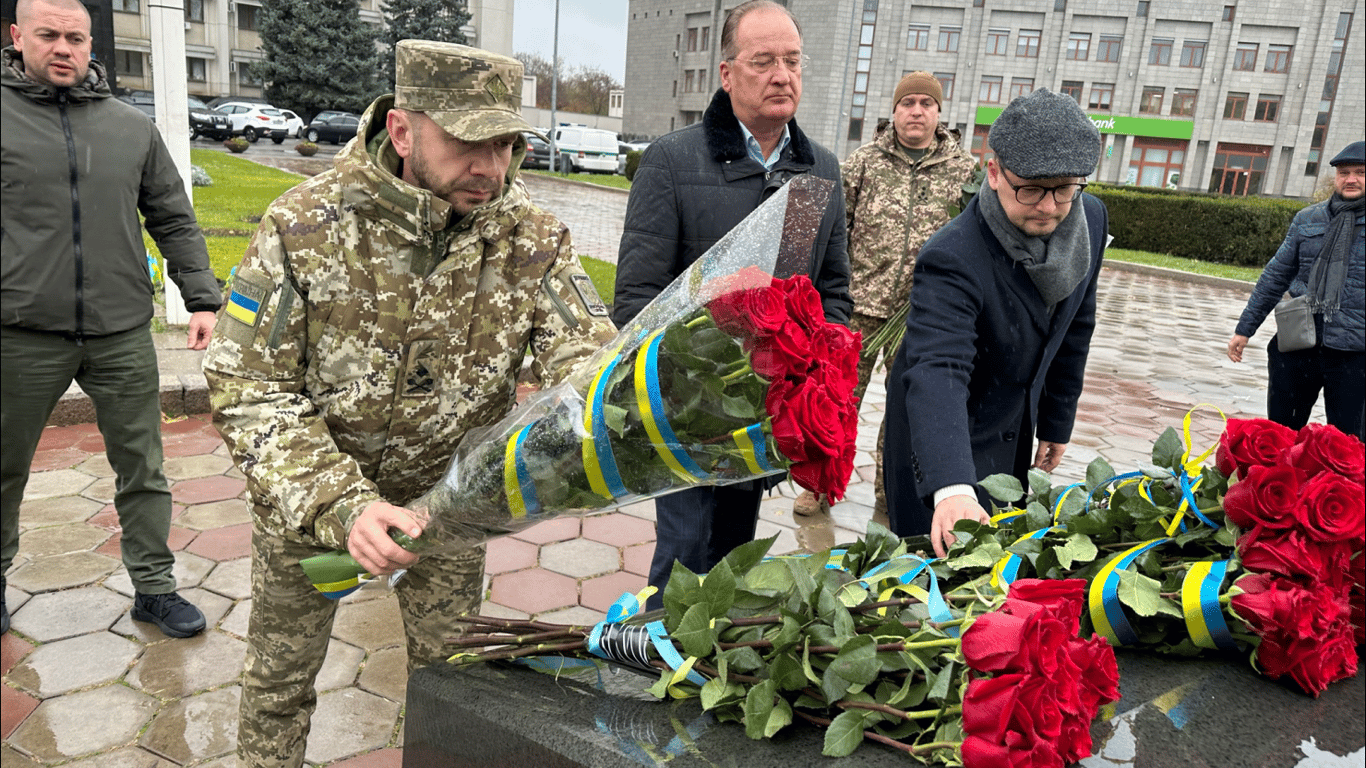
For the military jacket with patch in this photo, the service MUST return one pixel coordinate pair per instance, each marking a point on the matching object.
(363, 337)
(893, 205)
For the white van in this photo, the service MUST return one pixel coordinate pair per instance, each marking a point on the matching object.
(585, 149)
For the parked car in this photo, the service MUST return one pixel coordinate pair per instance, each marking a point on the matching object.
(294, 125)
(219, 101)
(336, 129)
(328, 114)
(537, 153)
(585, 149)
(623, 149)
(252, 121)
(203, 120)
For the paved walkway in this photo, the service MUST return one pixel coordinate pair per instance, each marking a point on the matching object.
(85, 683)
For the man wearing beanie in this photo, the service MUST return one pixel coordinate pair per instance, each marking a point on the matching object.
(899, 189)
(383, 310)
(1323, 257)
(1000, 324)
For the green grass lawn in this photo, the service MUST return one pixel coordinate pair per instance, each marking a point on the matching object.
(600, 179)
(1250, 274)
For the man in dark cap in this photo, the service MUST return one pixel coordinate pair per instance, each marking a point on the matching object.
(1324, 257)
(383, 310)
(1000, 324)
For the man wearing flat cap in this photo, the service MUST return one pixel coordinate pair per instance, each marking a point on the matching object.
(382, 310)
(999, 325)
(1323, 257)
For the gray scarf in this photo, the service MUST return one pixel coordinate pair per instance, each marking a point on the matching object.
(1056, 264)
(1329, 271)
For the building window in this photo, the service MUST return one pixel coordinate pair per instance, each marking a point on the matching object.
(1161, 51)
(1059, 5)
(687, 81)
(196, 70)
(1228, 12)
(980, 150)
(997, 41)
(246, 73)
(126, 6)
(948, 38)
(1072, 88)
(1183, 102)
(1079, 46)
(1142, 10)
(945, 82)
(1268, 108)
(1027, 45)
(990, 92)
(856, 129)
(1151, 101)
(194, 10)
(248, 17)
(1278, 58)
(1156, 162)
(1193, 53)
(1235, 106)
(1108, 49)
(918, 37)
(1239, 169)
(128, 63)
(1020, 86)
(1101, 95)
(1245, 57)
(692, 39)
(978, 3)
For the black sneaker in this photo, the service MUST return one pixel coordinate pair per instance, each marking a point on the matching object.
(172, 614)
(4, 613)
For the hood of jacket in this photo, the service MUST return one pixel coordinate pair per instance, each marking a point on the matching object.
(370, 168)
(13, 75)
(726, 140)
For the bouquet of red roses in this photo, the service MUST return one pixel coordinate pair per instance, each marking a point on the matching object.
(1298, 503)
(732, 373)
(860, 642)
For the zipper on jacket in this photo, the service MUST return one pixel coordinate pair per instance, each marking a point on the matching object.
(75, 218)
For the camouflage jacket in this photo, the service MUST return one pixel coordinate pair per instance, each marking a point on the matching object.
(366, 333)
(893, 206)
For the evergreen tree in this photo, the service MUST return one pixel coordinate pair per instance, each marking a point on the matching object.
(319, 55)
(439, 20)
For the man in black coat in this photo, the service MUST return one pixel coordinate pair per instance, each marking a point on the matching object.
(691, 188)
(1000, 324)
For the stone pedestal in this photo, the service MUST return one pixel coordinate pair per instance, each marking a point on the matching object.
(1195, 713)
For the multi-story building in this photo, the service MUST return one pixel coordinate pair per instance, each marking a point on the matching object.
(1236, 96)
(221, 39)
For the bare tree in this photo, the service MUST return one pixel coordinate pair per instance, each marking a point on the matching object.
(582, 89)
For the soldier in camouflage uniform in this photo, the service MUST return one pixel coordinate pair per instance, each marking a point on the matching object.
(383, 310)
(899, 189)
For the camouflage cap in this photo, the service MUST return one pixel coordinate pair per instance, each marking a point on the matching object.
(473, 94)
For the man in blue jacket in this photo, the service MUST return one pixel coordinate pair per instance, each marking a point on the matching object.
(691, 188)
(1323, 255)
(1000, 324)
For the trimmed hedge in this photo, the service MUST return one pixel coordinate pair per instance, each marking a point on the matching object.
(1245, 231)
(632, 163)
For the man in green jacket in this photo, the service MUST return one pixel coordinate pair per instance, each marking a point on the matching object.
(899, 189)
(76, 300)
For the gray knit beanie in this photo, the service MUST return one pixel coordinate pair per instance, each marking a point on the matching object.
(1045, 135)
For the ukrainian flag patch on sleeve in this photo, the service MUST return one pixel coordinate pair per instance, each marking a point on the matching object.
(246, 304)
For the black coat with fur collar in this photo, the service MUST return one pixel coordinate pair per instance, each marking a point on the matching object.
(695, 184)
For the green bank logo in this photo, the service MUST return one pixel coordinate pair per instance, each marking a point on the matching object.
(1155, 127)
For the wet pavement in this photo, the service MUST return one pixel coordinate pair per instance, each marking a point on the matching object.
(86, 686)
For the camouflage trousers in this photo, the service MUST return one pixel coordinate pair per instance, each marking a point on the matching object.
(291, 623)
(869, 325)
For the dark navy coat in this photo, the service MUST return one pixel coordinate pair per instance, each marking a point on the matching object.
(983, 367)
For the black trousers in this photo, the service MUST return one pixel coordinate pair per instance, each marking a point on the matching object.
(1296, 378)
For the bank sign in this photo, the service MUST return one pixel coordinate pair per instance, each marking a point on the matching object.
(1154, 127)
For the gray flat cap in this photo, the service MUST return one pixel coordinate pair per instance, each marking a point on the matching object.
(1045, 135)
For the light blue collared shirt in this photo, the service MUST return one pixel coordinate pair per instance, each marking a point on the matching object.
(757, 152)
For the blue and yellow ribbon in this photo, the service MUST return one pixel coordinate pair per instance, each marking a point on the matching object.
(598, 459)
(1107, 613)
(753, 445)
(1200, 603)
(521, 491)
(656, 422)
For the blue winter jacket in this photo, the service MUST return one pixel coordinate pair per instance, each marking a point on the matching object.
(1288, 270)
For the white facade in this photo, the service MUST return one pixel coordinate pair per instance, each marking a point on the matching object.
(1226, 95)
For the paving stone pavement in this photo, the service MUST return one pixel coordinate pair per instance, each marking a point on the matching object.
(86, 686)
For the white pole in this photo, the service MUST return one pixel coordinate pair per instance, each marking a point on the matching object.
(554, 89)
(173, 113)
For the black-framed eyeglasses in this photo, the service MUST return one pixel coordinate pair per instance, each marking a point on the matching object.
(1032, 194)
(765, 63)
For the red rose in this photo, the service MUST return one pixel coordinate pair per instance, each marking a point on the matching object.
(1323, 447)
(1099, 673)
(755, 313)
(1010, 720)
(784, 353)
(995, 642)
(1266, 496)
(837, 348)
(803, 301)
(1332, 659)
(1064, 596)
(1289, 553)
(1252, 443)
(1335, 508)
